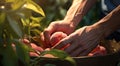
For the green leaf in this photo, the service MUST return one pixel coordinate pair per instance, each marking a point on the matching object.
(36, 31)
(33, 6)
(35, 22)
(9, 0)
(57, 53)
(71, 60)
(2, 19)
(22, 51)
(9, 56)
(60, 54)
(15, 26)
(36, 19)
(16, 4)
(62, 11)
(25, 22)
(34, 25)
(49, 65)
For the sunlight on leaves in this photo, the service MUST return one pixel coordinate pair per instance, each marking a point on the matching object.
(15, 4)
(33, 6)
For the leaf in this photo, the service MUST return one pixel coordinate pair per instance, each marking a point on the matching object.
(2, 19)
(118, 64)
(71, 60)
(32, 25)
(16, 4)
(50, 65)
(36, 19)
(9, 56)
(25, 22)
(56, 53)
(36, 31)
(61, 55)
(9, 0)
(62, 11)
(15, 26)
(22, 52)
(24, 13)
(33, 6)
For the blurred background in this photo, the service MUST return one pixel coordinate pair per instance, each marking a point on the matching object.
(56, 10)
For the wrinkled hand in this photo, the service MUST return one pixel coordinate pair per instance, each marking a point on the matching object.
(62, 26)
(82, 41)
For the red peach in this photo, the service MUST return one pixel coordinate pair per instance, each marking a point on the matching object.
(98, 51)
(56, 37)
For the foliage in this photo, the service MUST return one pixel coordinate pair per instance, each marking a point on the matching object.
(21, 19)
(16, 22)
(59, 55)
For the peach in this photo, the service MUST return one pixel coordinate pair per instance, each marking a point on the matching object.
(56, 37)
(98, 51)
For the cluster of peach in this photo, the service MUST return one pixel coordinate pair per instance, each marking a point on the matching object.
(55, 38)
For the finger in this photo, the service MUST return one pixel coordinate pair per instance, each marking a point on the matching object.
(62, 43)
(42, 40)
(78, 51)
(66, 40)
(75, 40)
(47, 33)
(81, 50)
(89, 47)
(47, 36)
(72, 47)
(45, 44)
(41, 37)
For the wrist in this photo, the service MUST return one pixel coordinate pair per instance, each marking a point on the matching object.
(110, 22)
(102, 28)
(73, 21)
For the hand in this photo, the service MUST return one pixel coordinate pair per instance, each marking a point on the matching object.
(82, 41)
(62, 26)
